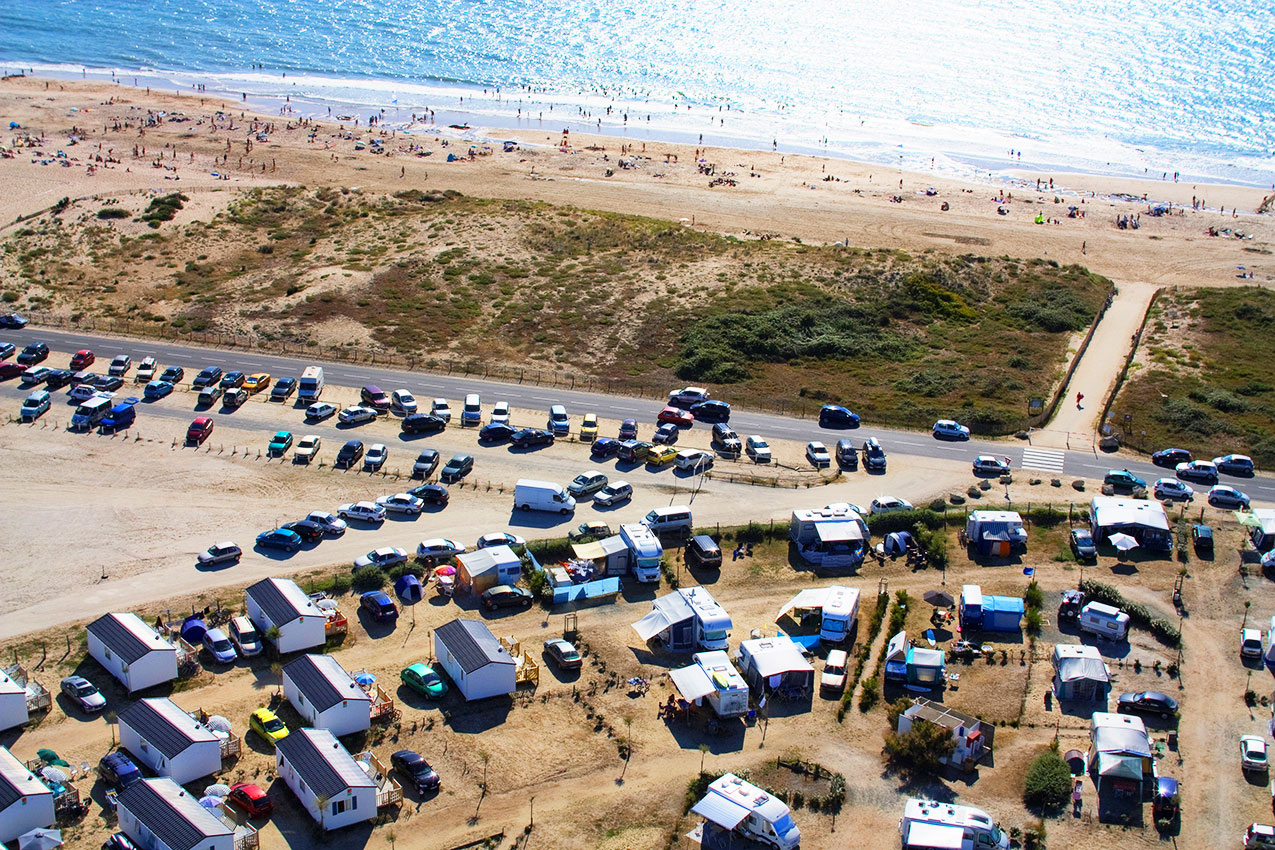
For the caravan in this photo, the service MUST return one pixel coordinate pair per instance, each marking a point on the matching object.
(713, 676)
(929, 825)
(648, 552)
(1104, 621)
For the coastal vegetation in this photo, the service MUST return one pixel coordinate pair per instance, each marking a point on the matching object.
(630, 302)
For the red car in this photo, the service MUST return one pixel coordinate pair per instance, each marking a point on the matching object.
(9, 369)
(199, 430)
(82, 360)
(251, 799)
(677, 416)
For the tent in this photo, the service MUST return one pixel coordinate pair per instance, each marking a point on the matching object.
(193, 630)
(408, 589)
(897, 542)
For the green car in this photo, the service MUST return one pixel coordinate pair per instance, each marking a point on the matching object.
(279, 443)
(422, 679)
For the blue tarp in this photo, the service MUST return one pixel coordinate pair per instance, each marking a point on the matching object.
(408, 589)
(589, 590)
(1002, 613)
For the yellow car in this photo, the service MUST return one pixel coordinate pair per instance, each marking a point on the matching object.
(257, 382)
(660, 455)
(268, 725)
(589, 427)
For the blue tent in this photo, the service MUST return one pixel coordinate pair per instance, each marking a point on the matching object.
(408, 588)
(193, 630)
(897, 543)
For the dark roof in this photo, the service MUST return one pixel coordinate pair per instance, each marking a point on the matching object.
(472, 644)
(271, 595)
(323, 681)
(16, 781)
(120, 638)
(164, 726)
(172, 814)
(326, 766)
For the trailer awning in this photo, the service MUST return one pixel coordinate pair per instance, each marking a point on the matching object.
(692, 682)
(651, 625)
(940, 836)
(811, 598)
(725, 813)
(589, 551)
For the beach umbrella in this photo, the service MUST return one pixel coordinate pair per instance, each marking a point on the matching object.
(210, 802)
(40, 839)
(445, 570)
(217, 790)
(364, 678)
(217, 723)
(53, 774)
(1123, 542)
(46, 755)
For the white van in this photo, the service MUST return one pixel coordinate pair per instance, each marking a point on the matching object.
(311, 385)
(1105, 621)
(472, 412)
(754, 813)
(245, 637)
(542, 496)
(671, 520)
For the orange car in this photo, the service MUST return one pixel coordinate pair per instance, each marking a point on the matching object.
(257, 382)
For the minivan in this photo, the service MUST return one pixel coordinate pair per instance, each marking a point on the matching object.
(36, 403)
(245, 636)
(847, 456)
(671, 520)
(472, 412)
(375, 398)
(873, 455)
(703, 552)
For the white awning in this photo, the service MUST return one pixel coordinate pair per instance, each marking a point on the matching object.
(775, 656)
(692, 682)
(812, 598)
(940, 836)
(725, 813)
(651, 625)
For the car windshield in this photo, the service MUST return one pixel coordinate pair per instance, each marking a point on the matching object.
(248, 636)
(570, 655)
(274, 724)
(717, 634)
(222, 645)
(84, 689)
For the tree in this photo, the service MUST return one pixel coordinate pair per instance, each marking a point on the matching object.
(919, 752)
(703, 751)
(485, 757)
(1048, 782)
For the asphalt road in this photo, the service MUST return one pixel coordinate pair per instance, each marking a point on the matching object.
(426, 386)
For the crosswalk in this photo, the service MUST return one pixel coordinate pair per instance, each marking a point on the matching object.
(1045, 460)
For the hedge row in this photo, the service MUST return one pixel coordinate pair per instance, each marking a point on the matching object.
(1139, 614)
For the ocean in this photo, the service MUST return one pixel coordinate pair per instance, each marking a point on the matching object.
(1119, 87)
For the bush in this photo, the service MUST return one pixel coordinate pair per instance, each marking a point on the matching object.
(1048, 783)
(1032, 621)
(340, 585)
(1034, 597)
(368, 578)
(409, 568)
(919, 752)
(112, 212)
(870, 695)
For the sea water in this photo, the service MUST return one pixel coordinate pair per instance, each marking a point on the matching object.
(1124, 87)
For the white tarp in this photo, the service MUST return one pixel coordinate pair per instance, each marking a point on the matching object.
(811, 598)
(692, 682)
(725, 813)
(651, 625)
(775, 656)
(938, 836)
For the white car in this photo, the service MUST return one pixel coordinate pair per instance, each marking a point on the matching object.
(1171, 489)
(886, 504)
(401, 503)
(219, 553)
(1253, 752)
(613, 494)
(376, 456)
(757, 449)
(500, 538)
(833, 678)
(356, 415)
(500, 413)
(693, 460)
(363, 511)
(947, 429)
(439, 548)
(990, 465)
(307, 448)
(817, 454)
(687, 396)
(84, 392)
(403, 401)
(384, 558)
(330, 524)
(1250, 643)
(319, 410)
(441, 409)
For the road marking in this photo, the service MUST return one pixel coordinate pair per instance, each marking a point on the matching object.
(1045, 460)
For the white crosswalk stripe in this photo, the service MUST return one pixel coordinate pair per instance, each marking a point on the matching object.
(1043, 459)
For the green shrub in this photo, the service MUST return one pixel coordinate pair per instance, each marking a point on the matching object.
(870, 695)
(9, 296)
(368, 578)
(112, 212)
(1048, 783)
(1033, 596)
(918, 753)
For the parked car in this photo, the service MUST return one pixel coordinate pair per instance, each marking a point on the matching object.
(34, 375)
(836, 416)
(82, 359)
(687, 396)
(58, 378)
(199, 430)
(207, 377)
(693, 460)
(256, 382)
(500, 538)
(375, 458)
(666, 434)
(349, 454)
(525, 438)
(1082, 545)
(947, 429)
(401, 503)
(156, 390)
(421, 678)
(385, 557)
(1235, 465)
(595, 530)
(559, 424)
(12, 321)
(283, 389)
(1204, 471)
(279, 538)
(817, 454)
(307, 448)
(219, 646)
(1202, 539)
(1229, 498)
(586, 483)
(1123, 479)
(757, 449)
(220, 553)
(422, 423)
(990, 465)
(1253, 753)
(589, 427)
(439, 549)
(506, 596)
(832, 680)
(613, 494)
(120, 365)
(252, 799)
(702, 552)
(7, 349)
(888, 504)
(725, 440)
(36, 352)
(403, 401)
(675, 416)
(118, 770)
(11, 369)
(1171, 457)
(1171, 489)
(319, 411)
(431, 494)
(1147, 702)
(500, 412)
(173, 375)
(378, 604)
(425, 464)
(279, 444)
(458, 467)
(563, 654)
(232, 380)
(83, 693)
(711, 411)
(268, 726)
(660, 455)
(375, 398)
(332, 525)
(628, 430)
(1251, 643)
(108, 383)
(471, 410)
(309, 532)
(634, 451)
(357, 415)
(413, 766)
(361, 511)
(35, 406)
(604, 447)
(207, 397)
(441, 409)
(234, 399)
(81, 392)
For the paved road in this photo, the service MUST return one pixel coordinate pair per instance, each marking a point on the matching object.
(1047, 462)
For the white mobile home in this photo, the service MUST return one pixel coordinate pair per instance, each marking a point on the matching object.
(132, 651)
(277, 603)
(1142, 519)
(325, 696)
(474, 659)
(1080, 673)
(775, 663)
(158, 814)
(828, 537)
(26, 803)
(1262, 533)
(325, 778)
(685, 619)
(13, 703)
(1119, 750)
(930, 824)
(972, 736)
(1105, 621)
(169, 741)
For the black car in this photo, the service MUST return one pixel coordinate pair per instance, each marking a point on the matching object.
(208, 376)
(495, 432)
(13, 321)
(58, 378)
(310, 532)
(1148, 702)
(506, 595)
(1082, 545)
(711, 411)
(232, 379)
(431, 494)
(836, 416)
(704, 552)
(527, 437)
(283, 389)
(665, 435)
(36, 352)
(422, 423)
(108, 383)
(412, 765)
(725, 440)
(1202, 539)
(456, 468)
(604, 447)
(173, 375)
(874, 459)
(350, 454)
(1170, 458)
(846, 454)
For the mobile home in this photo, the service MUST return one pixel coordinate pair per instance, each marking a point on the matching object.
(26, 803)
(131, 651)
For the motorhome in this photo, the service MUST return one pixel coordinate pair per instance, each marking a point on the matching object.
(647, 551)
(311, 386)
(712, 676)
(837, 607)
(930, 825)
(686, 619)
(733, 805)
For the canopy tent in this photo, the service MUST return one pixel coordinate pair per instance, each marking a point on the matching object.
(777, 655)
(1116, 766)
(1074, 669)
(810, 598)
(193, 630)
(692, 682)
(651, 625)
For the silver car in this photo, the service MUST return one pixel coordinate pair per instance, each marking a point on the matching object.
(83, 693)
(219, 553)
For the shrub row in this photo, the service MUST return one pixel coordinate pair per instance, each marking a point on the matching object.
(874, 626)
(1139, 614)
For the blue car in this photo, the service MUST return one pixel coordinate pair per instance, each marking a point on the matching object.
(118, 770)
(280, 538)
(836, 416)
(157, 390)
(379, 605)
(495, 432)
(604, 447)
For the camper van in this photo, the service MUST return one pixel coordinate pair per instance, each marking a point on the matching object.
(542, 496)
(1104, 621)
(647, 551)
(838, 609)
(91, 413)
(929, 825)
(1262, 532)
(739, 806)
(311, 386)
